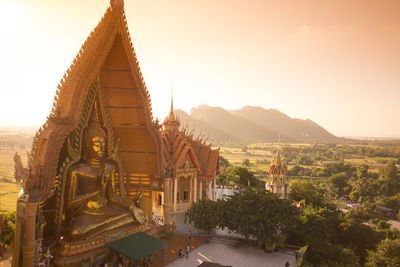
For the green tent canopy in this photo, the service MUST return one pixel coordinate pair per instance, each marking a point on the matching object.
(137, 246)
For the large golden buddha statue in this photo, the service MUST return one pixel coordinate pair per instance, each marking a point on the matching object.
(92, 204)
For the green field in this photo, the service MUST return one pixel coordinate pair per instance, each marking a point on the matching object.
(9, 189)
(260, 155)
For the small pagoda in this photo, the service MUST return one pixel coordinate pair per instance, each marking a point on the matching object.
(277, 183)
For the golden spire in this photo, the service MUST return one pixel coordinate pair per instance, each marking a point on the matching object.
(171, 116)
(172, 102)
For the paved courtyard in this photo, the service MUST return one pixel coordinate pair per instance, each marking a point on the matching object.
(226, 254)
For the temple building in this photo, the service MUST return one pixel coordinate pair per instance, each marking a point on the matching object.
(97, 170)
(277, 183)
(100, 167)
(189, 167)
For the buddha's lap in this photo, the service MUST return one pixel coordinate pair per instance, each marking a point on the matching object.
(83, 222)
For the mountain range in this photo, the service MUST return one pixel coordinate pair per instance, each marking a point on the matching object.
(251, 125)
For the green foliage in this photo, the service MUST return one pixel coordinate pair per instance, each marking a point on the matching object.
(227, 177)
(205, 214)
(7, 236)
(238, 176)
(389, 181)
(223, 162)
(386, 254)
(365, 213)
(320, 228)
(251, 212)
(383, 225)
(339, 167)
(296, 171)
(392, 202)
(246, 162)
(246, 177)
(358, 236)
(258, 213)
(304, 159)
(363, 189)
(339, 183)
(307, 191)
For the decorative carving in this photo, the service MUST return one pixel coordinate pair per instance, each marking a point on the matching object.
(73, 151)
(21, 174)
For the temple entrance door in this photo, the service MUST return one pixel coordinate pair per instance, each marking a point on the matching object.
(159, 200)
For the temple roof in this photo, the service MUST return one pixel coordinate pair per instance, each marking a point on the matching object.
(177, 143)
(277, 165)
(72, 92)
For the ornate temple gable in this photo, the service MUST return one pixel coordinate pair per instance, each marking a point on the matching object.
(108, 53)
(187, 162)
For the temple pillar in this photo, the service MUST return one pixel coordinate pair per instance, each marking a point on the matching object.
(195, 189)
(201, 190)
(214, 191)
(19, 221)
(175, 192)
(190, 189)
(29, 246)
(166, 200)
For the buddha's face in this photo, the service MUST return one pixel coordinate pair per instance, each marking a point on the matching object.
(98, 145)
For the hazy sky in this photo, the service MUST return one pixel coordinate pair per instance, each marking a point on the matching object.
(335, 62)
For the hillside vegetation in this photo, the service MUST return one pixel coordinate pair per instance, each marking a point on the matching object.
(251, 125)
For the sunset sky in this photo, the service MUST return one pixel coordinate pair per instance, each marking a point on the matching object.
(334, 62)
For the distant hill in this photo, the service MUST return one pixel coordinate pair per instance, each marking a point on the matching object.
(250, 125)
(298, 129)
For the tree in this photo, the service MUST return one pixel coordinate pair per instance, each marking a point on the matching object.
(363, 189)
(223, 162)
(389, 182)
(319, 229)
(205, 214)
(387, 254)
(227, 177)
(339, 183)
(258, 213)
(246, 162)
(304, 190)
(246, 177)
(304, 159)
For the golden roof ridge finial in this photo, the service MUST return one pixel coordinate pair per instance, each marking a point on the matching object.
(172, 102)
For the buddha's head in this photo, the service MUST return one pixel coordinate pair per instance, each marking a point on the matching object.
(95, 141)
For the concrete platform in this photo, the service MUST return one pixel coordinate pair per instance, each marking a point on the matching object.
(229, 254)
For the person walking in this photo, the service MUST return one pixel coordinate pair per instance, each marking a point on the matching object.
(187, 251)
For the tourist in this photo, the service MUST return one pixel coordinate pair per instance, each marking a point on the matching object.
(287, 264)
(187, 251)
(189, 235)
